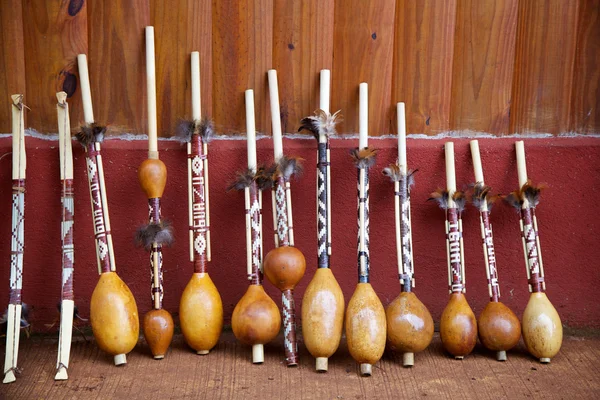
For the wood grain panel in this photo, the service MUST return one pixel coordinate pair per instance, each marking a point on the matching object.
(242, 55)
(12, 59)
(302, 46)
(423, 57)
(117, 62)
(181, 26)
(484, 57)
(543, 77)
(362, 52)
(585, 106)
(54, 33)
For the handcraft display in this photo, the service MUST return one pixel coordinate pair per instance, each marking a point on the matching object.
(409, 323)
(365, 316)
(255, 320)
(284, 266)
(458, 326)
(17, 244)
(323, 301)
(113, 311)
(542, 328)
(67, 301)
(499, 328)
(157, 324)
(200, 308)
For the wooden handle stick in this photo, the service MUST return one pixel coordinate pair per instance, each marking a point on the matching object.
(363, 115)
(450, 173)
(402, 163)
(86, 93)
(151, 94)
(521, 167)
(275, 114)
(250, 130)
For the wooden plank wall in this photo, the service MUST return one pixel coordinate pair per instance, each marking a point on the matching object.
(494, 66)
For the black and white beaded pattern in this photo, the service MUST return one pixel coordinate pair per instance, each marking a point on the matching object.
(322, 211)
(405, 233)
(363, 267)
(17, 242)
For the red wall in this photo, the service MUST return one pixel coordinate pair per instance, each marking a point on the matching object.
(568, 223)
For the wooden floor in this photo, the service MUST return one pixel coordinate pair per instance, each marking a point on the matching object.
(227, 373)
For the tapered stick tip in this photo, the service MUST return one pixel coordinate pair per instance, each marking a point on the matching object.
(120, 359)
(501, 355)
(408, 359)
(258, 354)
(322, 364)
(61, 374)
(9, 377)
(366, 369)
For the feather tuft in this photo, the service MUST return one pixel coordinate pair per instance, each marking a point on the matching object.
(481, 195)
(91, 133)
(322, 123)
(532, 193)
(263, 178)
(460, 199)
(364, 158)
(288, 166)
(514, 199)
(160, 233)
(185, 130)
(242, 180)
(440, 196)
(395, 175)
(528, 192)
(206, 129)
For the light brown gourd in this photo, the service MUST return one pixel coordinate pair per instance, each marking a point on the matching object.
(284, 267)
(152, 175)
(409, 325)
(458, 327)
(365, 327)
(256, 318)
(499, 328)
(158, 331)
(201, 313)
(542, 328)
(322, 316)
(113, 315)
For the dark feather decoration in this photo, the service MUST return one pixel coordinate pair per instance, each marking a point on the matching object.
(160, 233)
(90, 133)
(364, 158)
(460, 199)
(288, 166)
(393, 172)
(322, 123)
(263, 178)
(186, 128)
(514, 199)
(529, 192)
(532, 192)
(440, 196)
(242, 180)
(480, 196)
